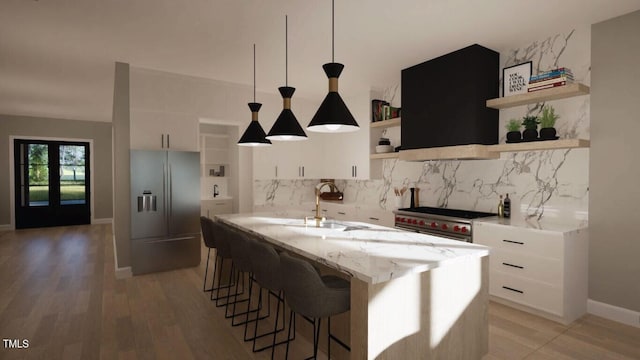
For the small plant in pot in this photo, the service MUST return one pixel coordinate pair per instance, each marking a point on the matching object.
(530, 124)
(547, 123)
(513, 131)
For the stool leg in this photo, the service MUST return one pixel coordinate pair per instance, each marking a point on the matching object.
(206, 270)
(292, 320)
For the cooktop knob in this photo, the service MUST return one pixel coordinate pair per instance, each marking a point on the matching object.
(464, 229)
(421, 223)
(434, 225)
(456, 228)
(444, 227)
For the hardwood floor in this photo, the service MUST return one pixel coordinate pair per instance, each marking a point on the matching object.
(59, 292)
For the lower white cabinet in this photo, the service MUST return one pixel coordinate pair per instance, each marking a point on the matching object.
(210, 208)
(545, 271)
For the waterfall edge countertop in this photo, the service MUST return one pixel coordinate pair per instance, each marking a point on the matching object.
(371, 253)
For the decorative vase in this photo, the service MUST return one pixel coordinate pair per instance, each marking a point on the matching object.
(530, 135)
(548, 134)
(514, 136)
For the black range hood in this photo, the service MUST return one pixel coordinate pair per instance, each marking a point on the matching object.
(444, 101)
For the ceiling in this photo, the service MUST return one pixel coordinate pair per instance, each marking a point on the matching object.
(57, 56)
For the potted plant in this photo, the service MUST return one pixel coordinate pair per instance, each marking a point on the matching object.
(513, 131)
(547, 123)
(530, 124)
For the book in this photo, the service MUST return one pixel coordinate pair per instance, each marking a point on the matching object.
(568, 76)
(547, 86)
(549, 81)
(550, 74)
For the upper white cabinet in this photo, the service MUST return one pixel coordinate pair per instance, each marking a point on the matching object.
(162, 112)
(160, 130)
(346, 155)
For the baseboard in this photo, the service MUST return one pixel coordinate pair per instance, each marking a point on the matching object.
(120, 272)
(6, 227)
(615, 313)
(123, 272)
(102, 221)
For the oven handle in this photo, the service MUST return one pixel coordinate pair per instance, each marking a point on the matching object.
(446, 236)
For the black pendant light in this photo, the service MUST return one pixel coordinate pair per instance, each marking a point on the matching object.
(333, 114)
(254, 135)
(286, 127)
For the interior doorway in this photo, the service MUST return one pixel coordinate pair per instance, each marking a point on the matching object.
(52, 183)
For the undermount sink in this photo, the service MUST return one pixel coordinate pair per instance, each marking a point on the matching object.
(332, 224)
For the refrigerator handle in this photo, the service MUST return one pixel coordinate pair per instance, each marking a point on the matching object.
(164, 190)
(170, 194)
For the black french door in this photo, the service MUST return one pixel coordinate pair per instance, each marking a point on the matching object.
(52, 183)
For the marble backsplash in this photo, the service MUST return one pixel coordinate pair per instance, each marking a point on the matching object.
(541, 184)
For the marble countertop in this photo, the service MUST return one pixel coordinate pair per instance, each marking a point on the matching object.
(371, 253)
(545, 224)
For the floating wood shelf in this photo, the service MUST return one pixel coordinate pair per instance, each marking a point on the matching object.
(391, 155)
(460, 152)
(385, 123)
(541, 145)
(560, 92)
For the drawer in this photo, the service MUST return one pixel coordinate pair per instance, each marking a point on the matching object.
(215, 207)
(518, 240)
(542, 269)
(538, 295)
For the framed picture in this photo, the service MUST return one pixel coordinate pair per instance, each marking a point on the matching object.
(516, 78)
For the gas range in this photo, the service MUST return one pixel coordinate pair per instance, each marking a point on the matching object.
(451, 223)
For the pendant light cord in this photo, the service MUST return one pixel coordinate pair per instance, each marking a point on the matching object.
(333, 58)
(286, 51)
(254, 72)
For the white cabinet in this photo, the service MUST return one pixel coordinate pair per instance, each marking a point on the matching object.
(287, 160)
(209, 208)
(546, 271)
(161, 130)
(346, 155)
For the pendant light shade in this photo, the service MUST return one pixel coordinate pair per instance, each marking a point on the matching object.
(254, 135)
(286, 127)
(333, 114)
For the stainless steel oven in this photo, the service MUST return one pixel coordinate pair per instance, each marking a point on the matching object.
(450, 223)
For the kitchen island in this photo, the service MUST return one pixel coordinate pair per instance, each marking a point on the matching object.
(413, 296)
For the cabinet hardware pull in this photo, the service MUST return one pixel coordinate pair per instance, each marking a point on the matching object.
(342, 213)
(512, 289)
(168, 142)
(373, 218)
(355, 170)
(514, 242)
(515, 266)
(162, 141)
(276, 171)
(303, 171)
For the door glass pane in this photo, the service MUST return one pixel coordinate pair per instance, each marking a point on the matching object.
(38, 175)
(72, 175)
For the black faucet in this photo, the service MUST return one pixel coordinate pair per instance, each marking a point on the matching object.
(215, 190)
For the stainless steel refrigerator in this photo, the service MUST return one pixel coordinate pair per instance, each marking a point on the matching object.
(165, 210)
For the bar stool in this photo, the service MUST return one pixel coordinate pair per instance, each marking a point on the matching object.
(313, 296)
(240, 244)
(209, 242)
(223, 247)
(266, 273)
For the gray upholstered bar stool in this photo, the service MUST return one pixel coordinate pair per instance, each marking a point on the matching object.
(223, 247)
(313, 296)
(266, 272)
(209, 242)
(243, 266)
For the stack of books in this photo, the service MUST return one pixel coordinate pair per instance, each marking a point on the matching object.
(550, 79)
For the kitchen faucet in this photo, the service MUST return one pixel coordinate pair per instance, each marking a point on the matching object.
(319, 187)
(216, 192)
